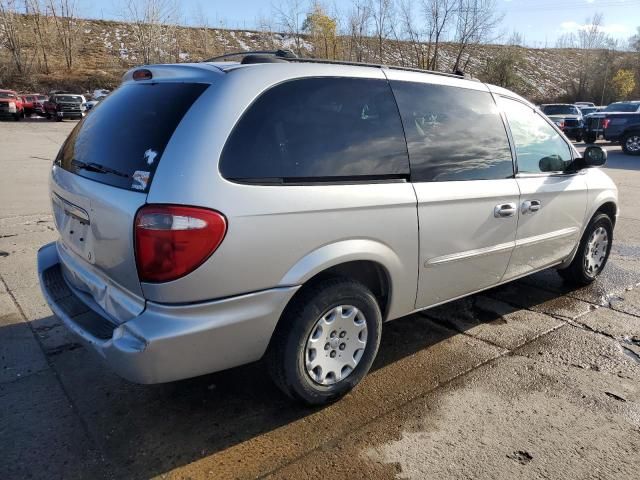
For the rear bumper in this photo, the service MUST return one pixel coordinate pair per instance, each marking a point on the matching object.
(573, 132)
(166, 342)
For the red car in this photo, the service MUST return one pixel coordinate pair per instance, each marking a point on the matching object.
(11, 105)
(32, 103)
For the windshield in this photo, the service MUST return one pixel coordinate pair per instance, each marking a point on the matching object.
(68, 98)
(41, 97)
(560, 110)
(622, 107)
(7, 95)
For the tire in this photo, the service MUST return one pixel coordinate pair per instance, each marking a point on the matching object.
(58, 119)
(590, 138)
(579, 138)
(314, 313)
(581, 271)
(631, 143)
(17, 117)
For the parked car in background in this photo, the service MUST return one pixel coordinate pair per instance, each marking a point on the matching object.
(623, 128)
(369, 203)
(61, 106)
(584, 104)
(594, 123)
(95, 98)
(28, 103)
(587, 111)
(566, 116)
(38, 104)
(11, 105)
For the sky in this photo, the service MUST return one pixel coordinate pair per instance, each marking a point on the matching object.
(540, 22)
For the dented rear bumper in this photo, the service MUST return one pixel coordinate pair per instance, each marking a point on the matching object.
(166, 342)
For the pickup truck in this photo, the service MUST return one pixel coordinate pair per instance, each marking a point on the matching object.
(595, 124)
(64, 105)
(11, 105)
(566, 116)
(625, 129)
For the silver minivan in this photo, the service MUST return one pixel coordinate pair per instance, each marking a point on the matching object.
(214, 214)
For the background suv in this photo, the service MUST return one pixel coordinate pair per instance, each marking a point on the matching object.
(285, 209)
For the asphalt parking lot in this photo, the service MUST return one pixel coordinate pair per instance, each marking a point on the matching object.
(529, 380)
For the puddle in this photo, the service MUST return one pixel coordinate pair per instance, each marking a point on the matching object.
(625, 250)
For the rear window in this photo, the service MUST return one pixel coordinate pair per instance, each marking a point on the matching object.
(318, 129)
(121, 141)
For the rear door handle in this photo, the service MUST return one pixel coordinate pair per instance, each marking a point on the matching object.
(504, 210)
(531, 206)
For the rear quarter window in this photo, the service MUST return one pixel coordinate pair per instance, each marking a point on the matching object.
(318, 129)
(122, 140)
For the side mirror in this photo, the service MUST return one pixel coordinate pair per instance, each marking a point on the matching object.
(594, 156)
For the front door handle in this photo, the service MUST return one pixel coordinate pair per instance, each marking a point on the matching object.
(531, 206)
(504, 210)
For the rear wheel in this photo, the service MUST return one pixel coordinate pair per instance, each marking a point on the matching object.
(593, 252)
(326, 341)
(631, 143)
(590, 138)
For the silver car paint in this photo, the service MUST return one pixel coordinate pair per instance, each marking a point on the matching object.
(436, 241)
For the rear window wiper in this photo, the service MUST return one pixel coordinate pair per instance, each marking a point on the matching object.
(96, 167)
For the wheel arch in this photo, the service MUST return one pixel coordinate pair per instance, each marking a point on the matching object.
(367, 261)
(606, 204)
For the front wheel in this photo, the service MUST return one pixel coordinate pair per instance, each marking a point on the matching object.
(593, 252)
(631, 144)
(326, 341)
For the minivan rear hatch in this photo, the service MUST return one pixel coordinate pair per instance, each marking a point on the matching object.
(100, 179)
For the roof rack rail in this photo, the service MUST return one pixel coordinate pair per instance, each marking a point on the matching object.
(379, 65)
(288, 55)
(281, 53)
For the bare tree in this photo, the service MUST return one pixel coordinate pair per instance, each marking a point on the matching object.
(567, 40)
(151, 25)
(381, 13)
(201, 22)
(439, 14)
(40, 24)
(359, 22)
(590, 38)
(290, 15)
(64, 13)
(11, 35)
(266, 28)
(412, 33)
(476, 21)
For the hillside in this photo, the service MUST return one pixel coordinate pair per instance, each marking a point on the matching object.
(106, 49)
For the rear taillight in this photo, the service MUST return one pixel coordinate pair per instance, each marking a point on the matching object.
(606, 122)
(172, 241)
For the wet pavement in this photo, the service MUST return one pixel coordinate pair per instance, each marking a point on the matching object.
(528, 380)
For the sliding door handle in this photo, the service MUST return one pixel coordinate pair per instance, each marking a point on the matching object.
(504, 210)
